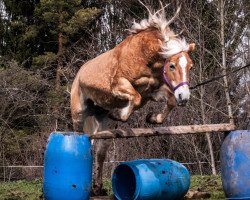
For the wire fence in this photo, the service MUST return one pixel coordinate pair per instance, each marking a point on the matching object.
(18, 172)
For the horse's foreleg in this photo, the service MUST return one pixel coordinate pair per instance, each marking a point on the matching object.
(125, 91)
(162, 94)
(158, 118)
(147, 82)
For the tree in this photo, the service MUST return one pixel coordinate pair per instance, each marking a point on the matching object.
(56, 23)
(16, 16)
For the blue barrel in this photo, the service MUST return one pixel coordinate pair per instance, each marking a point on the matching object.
(152, 179)
(235, 165)
(67, 167)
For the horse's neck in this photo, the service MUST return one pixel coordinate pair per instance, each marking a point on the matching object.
(144, 45)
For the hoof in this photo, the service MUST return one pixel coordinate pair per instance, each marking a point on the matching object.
(153, 118)
(115, 114)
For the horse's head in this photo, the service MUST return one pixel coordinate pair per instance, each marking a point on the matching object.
(176, 71)
(174, 49)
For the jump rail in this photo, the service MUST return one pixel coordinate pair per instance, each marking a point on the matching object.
(157, 131)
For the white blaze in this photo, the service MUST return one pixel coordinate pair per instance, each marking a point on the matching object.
(183, 63)
(183, 90)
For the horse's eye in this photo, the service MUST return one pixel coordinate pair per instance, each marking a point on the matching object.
(172, 67)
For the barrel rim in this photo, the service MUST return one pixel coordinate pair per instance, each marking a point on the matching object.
(137, 178)
(69, 134)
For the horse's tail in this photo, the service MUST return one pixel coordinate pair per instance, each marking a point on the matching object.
(76, 105)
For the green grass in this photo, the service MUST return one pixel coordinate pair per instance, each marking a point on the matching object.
(32, 190)
(21, 190)
(209, 184)
(107, 185)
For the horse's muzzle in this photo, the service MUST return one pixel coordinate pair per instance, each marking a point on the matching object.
(182, 97)
(182, 102)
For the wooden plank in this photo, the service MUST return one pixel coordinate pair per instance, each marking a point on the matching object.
(156, 131)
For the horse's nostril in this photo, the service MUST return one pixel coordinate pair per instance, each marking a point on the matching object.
(180, 96)
(182, 102)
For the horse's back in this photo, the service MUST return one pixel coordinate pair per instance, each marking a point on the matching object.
(98, 72)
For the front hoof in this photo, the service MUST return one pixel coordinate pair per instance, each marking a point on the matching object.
(115, 114)
(153, 118)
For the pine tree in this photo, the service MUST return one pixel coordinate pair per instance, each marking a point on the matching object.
(58, 21)
(15, 17)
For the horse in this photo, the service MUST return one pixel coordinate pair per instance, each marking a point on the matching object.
(151, 63)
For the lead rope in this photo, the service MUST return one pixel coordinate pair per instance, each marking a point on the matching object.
(218, 77)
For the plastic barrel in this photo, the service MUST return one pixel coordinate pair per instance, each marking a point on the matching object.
(235, 165)
(152, 179)
(67, 167)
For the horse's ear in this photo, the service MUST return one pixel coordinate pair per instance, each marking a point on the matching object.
(191, 47)
(160, 42)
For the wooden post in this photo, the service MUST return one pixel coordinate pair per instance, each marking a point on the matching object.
(157, 131)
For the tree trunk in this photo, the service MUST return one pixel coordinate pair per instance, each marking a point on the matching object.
(208, 136)
(223, 66)
(58, 76)
(59, 62)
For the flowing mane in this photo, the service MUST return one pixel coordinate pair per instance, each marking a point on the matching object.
(171, 43)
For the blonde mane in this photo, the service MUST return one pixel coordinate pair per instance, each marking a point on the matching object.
(171, 43)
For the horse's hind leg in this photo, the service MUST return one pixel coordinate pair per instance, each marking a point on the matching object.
(90, 119)
(101, 148)
(91, 125)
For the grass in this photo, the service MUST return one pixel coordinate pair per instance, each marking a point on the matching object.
(32, 190)
(209, 184)
(21, 190)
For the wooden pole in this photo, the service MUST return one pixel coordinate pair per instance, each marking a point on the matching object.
(157, 131)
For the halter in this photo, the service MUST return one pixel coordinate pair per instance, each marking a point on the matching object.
(169, 84)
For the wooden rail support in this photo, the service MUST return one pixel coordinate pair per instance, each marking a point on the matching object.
(157, 131)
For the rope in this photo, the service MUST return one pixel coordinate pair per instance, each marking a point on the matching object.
(218, 77)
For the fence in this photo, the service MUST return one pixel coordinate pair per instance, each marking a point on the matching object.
(18, 172)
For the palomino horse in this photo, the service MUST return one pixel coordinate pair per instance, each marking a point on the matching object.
(151, 63)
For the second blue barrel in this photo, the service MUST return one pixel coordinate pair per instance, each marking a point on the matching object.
(235, 165)
(150, 179)
(67, 167)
